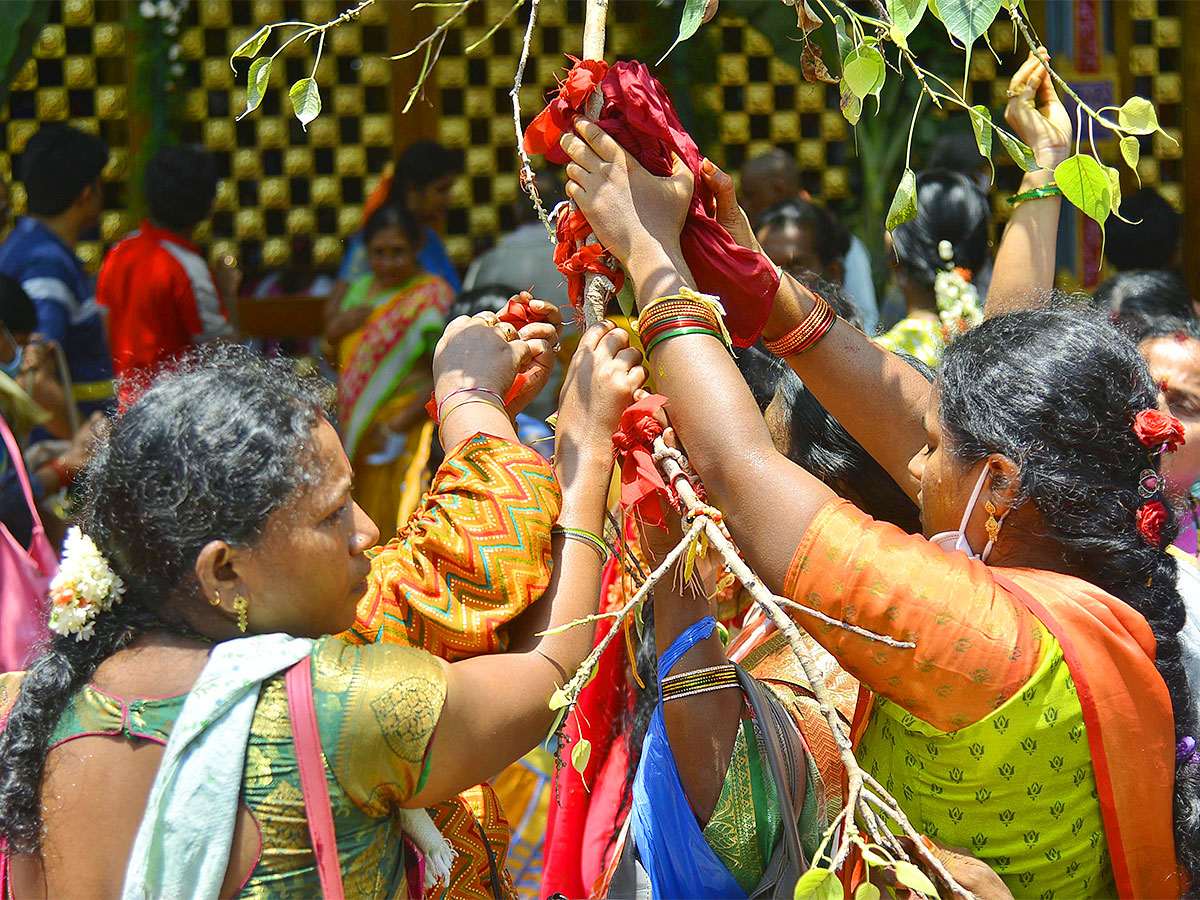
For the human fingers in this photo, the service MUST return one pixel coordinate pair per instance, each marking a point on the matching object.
(1024, 72)
(542, 309)
(539, 331)
(581, 153)
(591, 338)
(630, 356)
(1045, 87)
(522, 354)
(599, 140)
(614, 342)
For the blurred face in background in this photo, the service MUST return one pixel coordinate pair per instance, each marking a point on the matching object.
(392, 257)
(431, 202)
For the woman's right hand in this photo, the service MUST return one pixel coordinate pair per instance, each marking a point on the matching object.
(478, 352)
(1036, 114)
(600, 383)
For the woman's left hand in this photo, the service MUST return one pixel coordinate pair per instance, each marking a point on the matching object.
(608, 184)
(544, 339)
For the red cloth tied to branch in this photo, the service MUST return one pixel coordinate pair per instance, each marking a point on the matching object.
(642, 486)
(638, 114)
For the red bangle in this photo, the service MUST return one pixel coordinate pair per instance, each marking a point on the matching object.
(811, 329)
(63, 471)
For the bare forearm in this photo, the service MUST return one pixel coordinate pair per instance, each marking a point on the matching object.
(876, 396)
(1025, 262)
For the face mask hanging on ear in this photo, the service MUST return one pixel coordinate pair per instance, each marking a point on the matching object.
(957, 540)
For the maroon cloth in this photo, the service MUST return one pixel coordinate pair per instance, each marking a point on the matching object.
(638, 114)
(642, 485)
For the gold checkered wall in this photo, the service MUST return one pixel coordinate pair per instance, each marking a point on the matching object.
(1155, 70)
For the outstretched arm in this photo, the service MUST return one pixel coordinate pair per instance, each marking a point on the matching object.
(1024, 271)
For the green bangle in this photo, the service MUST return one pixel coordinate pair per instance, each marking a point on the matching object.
(584, 537)
(680, 332)
(1046, 190)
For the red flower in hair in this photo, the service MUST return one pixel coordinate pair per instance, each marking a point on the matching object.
(1151, 520)
(1155, 429)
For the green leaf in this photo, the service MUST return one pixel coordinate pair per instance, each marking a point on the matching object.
(866, 891)
(851, 105)
(1020, 154)
(693, 13)
(1083, 181)
(1131, 150)
(968, 20)
(256, 84)
(845, 45)
(251, 45)
(558, 699)
(1137, 116)
(904, 203)
(981, 123)
(819, 884)
(864, 71)
(906, 14)
(580, 754)
(913, 878)
(1114, 190)
(306, 100)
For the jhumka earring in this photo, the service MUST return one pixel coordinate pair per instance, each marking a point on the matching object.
(992, 525)
(240, 604)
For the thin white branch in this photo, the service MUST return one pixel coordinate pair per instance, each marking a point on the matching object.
(526, 176)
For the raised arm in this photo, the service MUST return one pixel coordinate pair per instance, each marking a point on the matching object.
(1024, 270)
(497, 706)
(762, 493)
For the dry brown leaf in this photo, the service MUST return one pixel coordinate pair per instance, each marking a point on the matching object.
(808, 20)
(812, 66)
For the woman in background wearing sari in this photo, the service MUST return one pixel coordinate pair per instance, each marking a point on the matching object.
(383, 335)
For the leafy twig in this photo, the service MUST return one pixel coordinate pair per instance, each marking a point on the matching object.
(527, 178)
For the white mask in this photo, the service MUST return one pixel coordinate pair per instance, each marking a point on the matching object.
(957, 540)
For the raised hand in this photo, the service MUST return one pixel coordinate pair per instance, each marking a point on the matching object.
(626, 206)
(1036, 114)
(543, 337)
(479, 351)
(725, 208)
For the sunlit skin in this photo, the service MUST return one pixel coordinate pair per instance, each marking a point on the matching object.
(392, 258)
(791, 247)
(1175, 366)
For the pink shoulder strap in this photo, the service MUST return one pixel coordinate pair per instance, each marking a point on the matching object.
(312, 778)
(15, 460)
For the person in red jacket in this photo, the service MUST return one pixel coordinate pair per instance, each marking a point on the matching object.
(160, 292)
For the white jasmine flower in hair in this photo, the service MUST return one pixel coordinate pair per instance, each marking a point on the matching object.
(84, 587)
(164, 8)
(147, 9)
(946, 251)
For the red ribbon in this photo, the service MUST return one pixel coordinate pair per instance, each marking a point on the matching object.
(642, 485)
(518, 315)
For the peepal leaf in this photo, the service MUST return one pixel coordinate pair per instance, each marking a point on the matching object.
(1020, 153)
(1083, 181)
(1137, 116)
(968, 20)
(851, 105)
(580, 754)
(819, 884)
(812, 66)
(306, 100)
(844, 44)
(906, 14)
(913, 878)
(1131, 150)
(864, 71)
(981, 123)
(866, 891)
(904, 203)
(256, 84)
(689, 24)
(251, 45)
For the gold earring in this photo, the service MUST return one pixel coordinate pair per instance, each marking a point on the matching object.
(992, 525)
(217, 600)
(240, 604)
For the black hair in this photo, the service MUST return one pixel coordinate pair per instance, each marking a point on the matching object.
(1152, 239)
(57, 164)
(180, 185)
(1057, 393)
(421, 164)
(481, 298)
(819, 443)
(1145, 293)
(1143, 329)
(209, 452)
(830, 239)
(17, 312)
(956, 151)
(950, 207)
(391, 216)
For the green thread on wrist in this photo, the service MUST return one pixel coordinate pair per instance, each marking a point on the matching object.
(679, 332)
(1045, 190)
(584, 537)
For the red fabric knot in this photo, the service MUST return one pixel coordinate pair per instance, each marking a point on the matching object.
(1158, 430)
(638, 114)
(1151, 520)
(642, 485)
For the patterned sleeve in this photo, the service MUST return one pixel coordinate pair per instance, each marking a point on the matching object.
(10, 686)
(377, 708)
(474, 555)
(975, 644)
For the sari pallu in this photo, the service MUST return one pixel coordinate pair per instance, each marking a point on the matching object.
(381, 376)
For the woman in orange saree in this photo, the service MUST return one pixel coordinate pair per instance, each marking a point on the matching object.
(1038, 715)
(385, 333)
